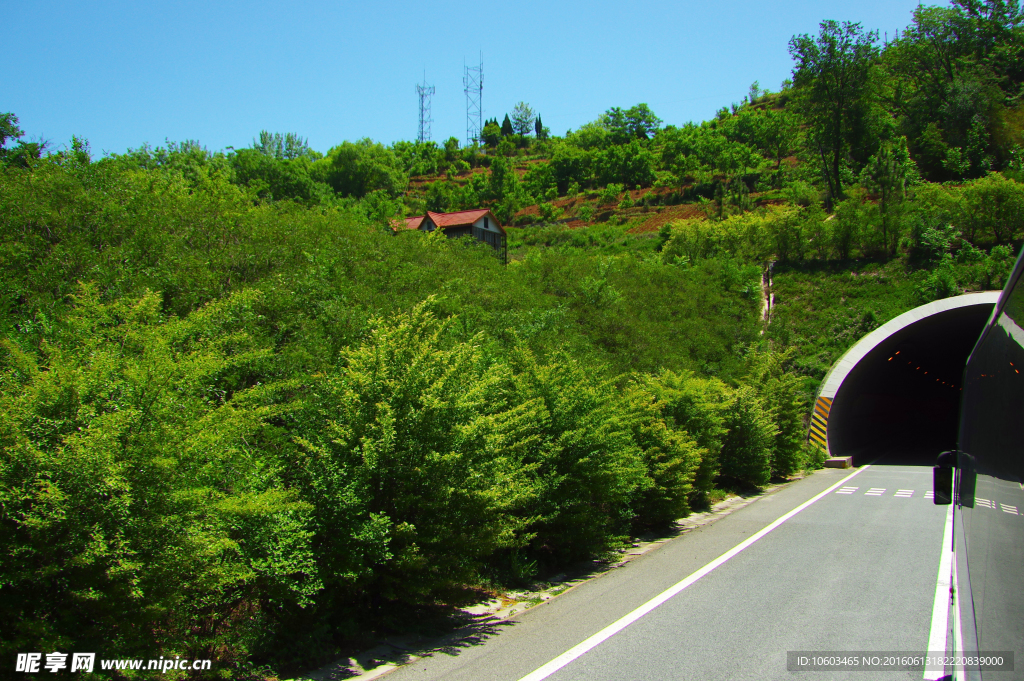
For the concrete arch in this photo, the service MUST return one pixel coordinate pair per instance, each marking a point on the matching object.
(902, 379)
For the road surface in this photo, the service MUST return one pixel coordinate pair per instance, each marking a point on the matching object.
(855, 570)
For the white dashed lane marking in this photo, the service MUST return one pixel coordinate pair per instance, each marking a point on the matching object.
(930, 496)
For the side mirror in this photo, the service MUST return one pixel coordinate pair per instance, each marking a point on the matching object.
(942, 478)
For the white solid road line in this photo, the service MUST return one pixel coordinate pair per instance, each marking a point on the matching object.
(958, 636)
(940, 609)
(624, 621)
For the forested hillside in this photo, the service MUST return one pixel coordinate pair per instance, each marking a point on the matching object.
(241, 419)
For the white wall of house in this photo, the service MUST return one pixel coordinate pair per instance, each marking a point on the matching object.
(491, 227)
(428, 225)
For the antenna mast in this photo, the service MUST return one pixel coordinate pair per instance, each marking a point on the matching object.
(425, 91)
(473, 81)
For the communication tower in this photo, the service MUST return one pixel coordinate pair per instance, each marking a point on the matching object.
(425, 91)
(473, 81)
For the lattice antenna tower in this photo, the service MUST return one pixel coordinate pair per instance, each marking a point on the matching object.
(425, 91)
(473, 81)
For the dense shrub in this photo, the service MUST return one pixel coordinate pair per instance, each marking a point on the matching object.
(780, 390)
(143, 510)
(414, 460)
(747, 446)
(696, 406)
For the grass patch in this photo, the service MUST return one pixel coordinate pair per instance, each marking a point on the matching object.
(824, 308)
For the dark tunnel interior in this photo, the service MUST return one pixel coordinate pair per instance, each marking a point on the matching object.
(903, 399)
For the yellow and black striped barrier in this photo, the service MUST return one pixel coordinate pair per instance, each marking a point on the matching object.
(819, 422)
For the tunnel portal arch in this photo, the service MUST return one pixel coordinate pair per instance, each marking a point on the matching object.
(902, 380)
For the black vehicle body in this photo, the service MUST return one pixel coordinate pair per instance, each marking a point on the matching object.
(988, 533)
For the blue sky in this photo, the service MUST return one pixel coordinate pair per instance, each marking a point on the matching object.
(123, 73)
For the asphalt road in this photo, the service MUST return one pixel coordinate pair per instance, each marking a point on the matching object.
(853, 571)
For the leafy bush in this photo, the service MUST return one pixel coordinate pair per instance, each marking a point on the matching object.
(747, 446)
(697, 407)
(133, 442)
(610, 193)
(783, 398)
(585, 212)
(589, 470)
(671, 457)
(414, 461)
(549, 212)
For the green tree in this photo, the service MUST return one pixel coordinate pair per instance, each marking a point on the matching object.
(772, 132)
(522, 119)
(887, 174)
(505, 189)
(949, 79)
(641, 121)
(23, 153)
(451, 154)
(9, 129)
(440, 196)
(636, 122)
(355, 169)
(273, 177)
(506, 127)
(491, 134)
(539, 130)
(832, 75)
(287, 146)
(570, 164)
(630, 164)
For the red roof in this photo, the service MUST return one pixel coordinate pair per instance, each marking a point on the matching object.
(457, 219)
(463, 217)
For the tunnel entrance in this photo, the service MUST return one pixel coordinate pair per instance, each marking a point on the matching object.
(898, 389)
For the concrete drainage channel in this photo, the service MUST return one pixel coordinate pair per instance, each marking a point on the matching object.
(485, 619)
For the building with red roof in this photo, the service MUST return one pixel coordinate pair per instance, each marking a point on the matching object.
(479, 224)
